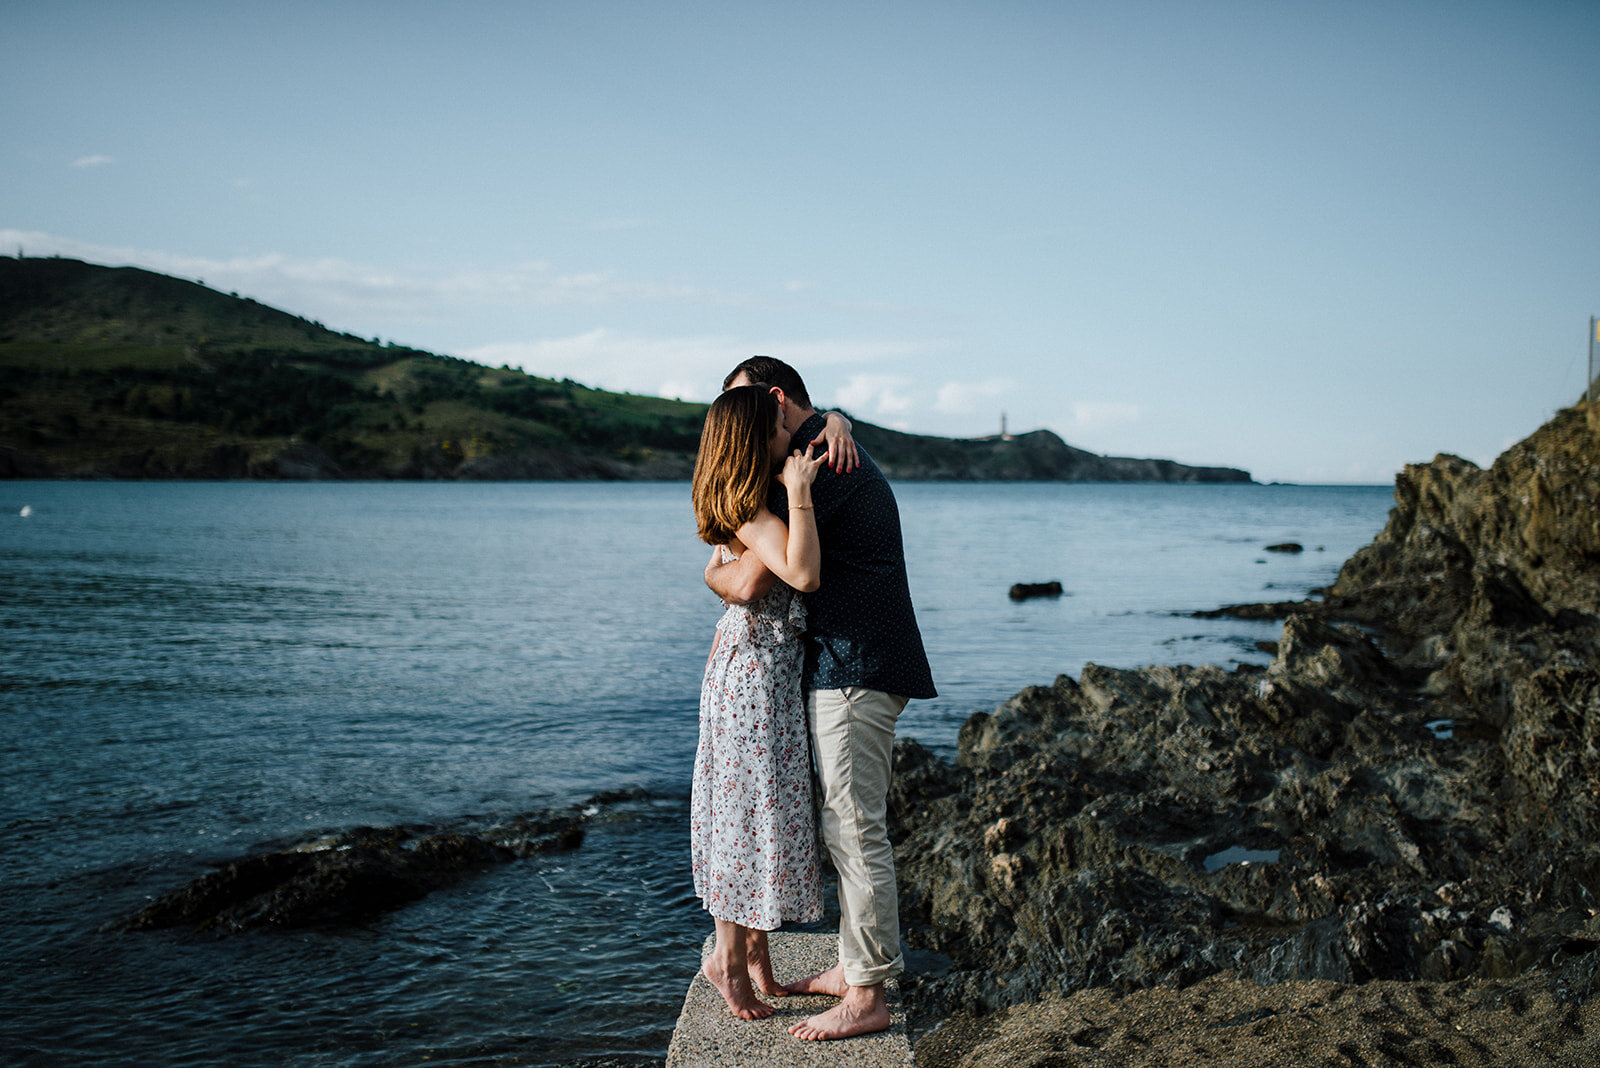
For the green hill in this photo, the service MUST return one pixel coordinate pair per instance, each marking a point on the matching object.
(123, 373)
(127, 373)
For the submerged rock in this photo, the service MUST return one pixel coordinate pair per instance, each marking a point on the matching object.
(351, 877)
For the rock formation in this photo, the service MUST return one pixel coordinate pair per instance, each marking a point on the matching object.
(1037, 456)
(355, 875)
(1408, 791)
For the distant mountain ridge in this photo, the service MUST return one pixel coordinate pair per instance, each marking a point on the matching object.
(118, 372)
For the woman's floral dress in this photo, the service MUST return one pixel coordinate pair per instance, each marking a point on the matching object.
(753, 834)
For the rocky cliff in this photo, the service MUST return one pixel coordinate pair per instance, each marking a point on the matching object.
(1037, 456)
(1407, 793)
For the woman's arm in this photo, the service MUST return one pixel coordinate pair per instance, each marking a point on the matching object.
(791, 552)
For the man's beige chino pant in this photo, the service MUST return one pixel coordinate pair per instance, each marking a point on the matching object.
(852, 744)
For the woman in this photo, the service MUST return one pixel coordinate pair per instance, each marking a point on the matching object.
(752, 832)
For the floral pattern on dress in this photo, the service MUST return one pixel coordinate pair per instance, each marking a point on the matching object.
(752, 828)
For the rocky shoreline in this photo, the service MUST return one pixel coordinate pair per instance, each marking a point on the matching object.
(1399, 811)
(1379, 849)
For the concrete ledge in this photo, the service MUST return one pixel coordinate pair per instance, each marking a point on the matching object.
(708, 1036)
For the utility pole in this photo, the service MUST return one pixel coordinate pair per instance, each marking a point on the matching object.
(1594, 352)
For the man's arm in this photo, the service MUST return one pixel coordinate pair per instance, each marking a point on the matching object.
(739, 581)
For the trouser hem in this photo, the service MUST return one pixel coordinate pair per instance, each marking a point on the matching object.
(874, 976)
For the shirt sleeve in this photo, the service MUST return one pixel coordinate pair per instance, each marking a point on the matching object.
(831, 489)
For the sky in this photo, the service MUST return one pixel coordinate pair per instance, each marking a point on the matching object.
(1318, 241)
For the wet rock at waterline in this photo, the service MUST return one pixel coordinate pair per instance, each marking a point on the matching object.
(353, 876)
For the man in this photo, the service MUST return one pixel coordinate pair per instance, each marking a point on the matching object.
(864, 660)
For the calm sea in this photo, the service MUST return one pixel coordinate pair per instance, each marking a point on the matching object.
(191, 672)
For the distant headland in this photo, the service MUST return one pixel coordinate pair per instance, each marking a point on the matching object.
(118, 372)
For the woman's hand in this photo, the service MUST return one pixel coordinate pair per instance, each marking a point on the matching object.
(790, 550)
(841, 455)
(799, 472)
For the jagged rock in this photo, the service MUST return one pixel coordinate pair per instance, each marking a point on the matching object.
(1534, 515)
(1066, 846)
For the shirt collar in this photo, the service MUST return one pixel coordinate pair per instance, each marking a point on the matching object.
(811, 428)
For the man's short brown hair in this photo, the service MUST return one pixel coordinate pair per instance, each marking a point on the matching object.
(768, 371)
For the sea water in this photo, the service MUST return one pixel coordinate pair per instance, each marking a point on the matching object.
(191, 672)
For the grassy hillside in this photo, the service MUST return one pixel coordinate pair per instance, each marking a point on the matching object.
(122, 373)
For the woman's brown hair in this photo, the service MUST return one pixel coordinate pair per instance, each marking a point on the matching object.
(733, 470)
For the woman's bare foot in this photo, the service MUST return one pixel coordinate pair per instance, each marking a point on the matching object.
(759, 960)
(734, 986)
(830, 982)
(863, 1011)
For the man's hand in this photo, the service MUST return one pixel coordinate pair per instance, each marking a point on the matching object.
(842, 454)
(739, 581)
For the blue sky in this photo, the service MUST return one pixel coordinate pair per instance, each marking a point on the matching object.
(1317, 241)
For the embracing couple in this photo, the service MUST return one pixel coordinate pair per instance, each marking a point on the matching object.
(814, 658)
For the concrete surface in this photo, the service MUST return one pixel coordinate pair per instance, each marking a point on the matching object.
(708, 1036)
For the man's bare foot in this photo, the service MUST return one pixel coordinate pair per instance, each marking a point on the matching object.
(759, 958)
(862, 1012)
(830, 982)
(735, 989)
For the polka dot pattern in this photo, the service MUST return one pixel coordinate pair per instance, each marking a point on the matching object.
(862, 629)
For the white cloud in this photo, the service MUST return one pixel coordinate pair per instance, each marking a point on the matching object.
(960, 398)
(368, 299)
(92, 161)
(682, 390)
(688, 367)
(876, 394)
(335, 289)
(1099, 415)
